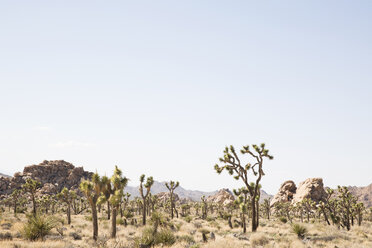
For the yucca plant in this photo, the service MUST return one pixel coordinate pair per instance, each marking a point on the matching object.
(38, 226)
(300, 230)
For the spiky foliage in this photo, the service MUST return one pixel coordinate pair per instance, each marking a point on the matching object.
(67, 196)
(144, 195)
(204, 207)
(92, 190)
(118, 183)
(37, 227)
(232, 163)
(30, 187)
(242, 200)
(171, 187)
(266, 207)
(299, 230)
(15, 196)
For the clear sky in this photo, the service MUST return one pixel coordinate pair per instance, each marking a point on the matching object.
(160, 87)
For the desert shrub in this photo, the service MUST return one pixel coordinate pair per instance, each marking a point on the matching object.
(75, 236)
(165, 237)
(119, 221)
(6, 236)
(37, 227)
(258, 239)
(187, 238)
(88, 217)
(283, 219)
(209, 218)
(188, 218)
(150, 238)
(299, 230)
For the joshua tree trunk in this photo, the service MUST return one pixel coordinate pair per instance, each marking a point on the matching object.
(108, 210)
(144, 212)
(95, 222)
(34, 205)
(254, 218)
(69, 214)
(113, 222)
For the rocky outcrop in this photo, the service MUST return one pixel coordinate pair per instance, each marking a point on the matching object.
(311, 188)
(363, 194)
(222, 197)
(53, 175)
(164, 197)
(285, 194)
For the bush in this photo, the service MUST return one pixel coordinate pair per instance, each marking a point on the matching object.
(75, 236)
(119, 221)
(187, 238)
(300, 230)
(38, 227)
(149, 238)
(188, 218)
(283, 219)
(165, 237)
(6, 236)
(258, 239)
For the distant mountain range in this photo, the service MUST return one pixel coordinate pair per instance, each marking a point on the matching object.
(193, 195)
(3, 175)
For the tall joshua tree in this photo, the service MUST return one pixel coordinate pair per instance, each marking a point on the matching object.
(231, 162)
(107, 191)
(92, 190)
(31, 186)
(171, 187)
(118, 183)
(147, 186)
(67, 196)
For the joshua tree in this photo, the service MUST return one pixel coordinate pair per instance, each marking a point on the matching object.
(233, 165)
(16, 194)
(31, 186)
(118, 183)
(358, 209)
(204, 207)
(345, 203)
(242, 202)
(147, 185)
(107, 191)
(171, 187)
(92, 190)
(67, 196)
(266, 208)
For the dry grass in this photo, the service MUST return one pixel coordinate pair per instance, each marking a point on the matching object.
(271, 234)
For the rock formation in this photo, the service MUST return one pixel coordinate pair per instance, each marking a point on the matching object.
(286, 193)
(363, 194)
(164, 197)
(53, 175)
(311, 188)
(223, 197)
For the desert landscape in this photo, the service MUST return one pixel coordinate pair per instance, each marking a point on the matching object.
(55, 204)
(185, 124)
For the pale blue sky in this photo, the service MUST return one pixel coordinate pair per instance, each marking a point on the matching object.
(160, 87)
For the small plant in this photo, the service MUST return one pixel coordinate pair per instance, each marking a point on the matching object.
(204, 233)
(75, 236)
(187, 238)
(258, 239)
(300, 230)
(283, 219)
(165, 237)
(188, 218)
(37, 227)
(6, 236)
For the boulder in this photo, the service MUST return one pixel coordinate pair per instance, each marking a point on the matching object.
(311, 188)
(285, 194)
(222, 197)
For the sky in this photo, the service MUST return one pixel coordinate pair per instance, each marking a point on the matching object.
(161, 87)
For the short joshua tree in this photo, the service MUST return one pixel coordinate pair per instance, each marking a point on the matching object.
(171, 187)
